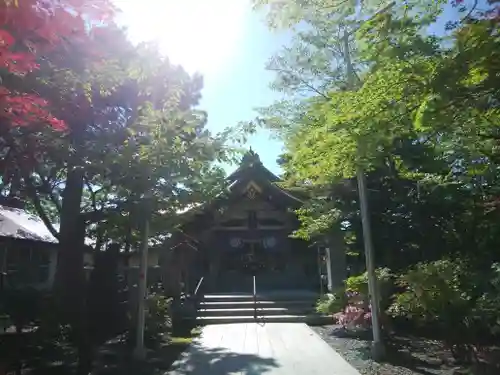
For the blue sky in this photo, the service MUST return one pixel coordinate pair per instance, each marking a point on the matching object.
(229, 44)
(232, 95)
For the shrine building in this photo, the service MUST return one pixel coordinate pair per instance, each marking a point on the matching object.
(244, 235)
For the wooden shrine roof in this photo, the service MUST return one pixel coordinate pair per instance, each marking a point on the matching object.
(251, 170)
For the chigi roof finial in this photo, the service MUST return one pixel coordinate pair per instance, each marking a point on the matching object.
(250, 158)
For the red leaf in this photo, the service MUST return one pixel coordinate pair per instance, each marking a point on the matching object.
(6, 39)
(30, 31)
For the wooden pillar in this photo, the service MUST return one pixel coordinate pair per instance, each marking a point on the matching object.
(213, 266)
(336, 266)
(329, 269)
(53, 254)
(319, 260)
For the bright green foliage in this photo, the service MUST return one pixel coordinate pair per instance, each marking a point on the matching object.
(422, 109)
(433, 291)
(326, 217)
(454, 298)
(359, 283)
(331, 303)
(421, 118)
(286, 13)
(355, 285)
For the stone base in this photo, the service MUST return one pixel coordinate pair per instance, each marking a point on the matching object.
(378, 351)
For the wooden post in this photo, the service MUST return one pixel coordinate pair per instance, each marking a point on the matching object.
(329, 268)
(140, 351)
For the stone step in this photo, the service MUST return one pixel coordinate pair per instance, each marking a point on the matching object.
(309, 319)
(276, 296)
(280, 306)
(260, 304)
(227, 297)
(250, 311)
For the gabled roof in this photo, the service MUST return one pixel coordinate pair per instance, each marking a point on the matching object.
(251, 164)
(251, 170)
(18, 223)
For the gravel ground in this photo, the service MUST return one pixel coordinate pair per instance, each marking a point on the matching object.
(405, 356)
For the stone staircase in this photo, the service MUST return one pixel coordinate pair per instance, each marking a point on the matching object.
(269, 307)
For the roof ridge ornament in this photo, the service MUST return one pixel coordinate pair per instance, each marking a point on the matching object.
(250, 158)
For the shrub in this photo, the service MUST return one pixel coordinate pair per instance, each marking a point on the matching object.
(350, 307)
(158, 321)
(428, 286)
(331, 303)
(488, 305)
(359, 284)
(357, 312)
(461, 303)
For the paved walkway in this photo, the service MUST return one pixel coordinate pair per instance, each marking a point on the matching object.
(253, 348)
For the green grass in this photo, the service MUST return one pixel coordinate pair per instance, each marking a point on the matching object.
(178, 340)
(181, 341)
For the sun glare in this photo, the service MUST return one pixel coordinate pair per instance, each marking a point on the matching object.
(201, 35)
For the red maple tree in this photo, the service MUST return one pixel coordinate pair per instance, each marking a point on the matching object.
(29, 30)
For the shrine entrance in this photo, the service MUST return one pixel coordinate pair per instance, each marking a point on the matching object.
(245, 232)
(250, 259)
(238, 266)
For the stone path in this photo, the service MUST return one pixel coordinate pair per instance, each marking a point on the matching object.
(253, 348)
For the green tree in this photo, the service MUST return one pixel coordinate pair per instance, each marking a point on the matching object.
(396, 61)
(133, 130)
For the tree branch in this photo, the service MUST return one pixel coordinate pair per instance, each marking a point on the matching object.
(334, 6)
(312, 88)
(48, 190)
(92, 193)
(474, 6)
(32, 192)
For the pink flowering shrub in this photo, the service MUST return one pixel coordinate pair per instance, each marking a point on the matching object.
(356, 314)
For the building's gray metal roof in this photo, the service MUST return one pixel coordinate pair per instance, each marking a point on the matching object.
(18, 223)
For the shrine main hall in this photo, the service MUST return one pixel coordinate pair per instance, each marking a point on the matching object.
(245, 235)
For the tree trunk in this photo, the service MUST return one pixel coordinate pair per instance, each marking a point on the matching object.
(85, 357)
(69, 280)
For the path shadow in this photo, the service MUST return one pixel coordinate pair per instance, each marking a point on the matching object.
(115, 358)
(218, 361)
(196, 360)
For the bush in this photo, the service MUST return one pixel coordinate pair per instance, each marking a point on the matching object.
(461, 303)
(488, 305)
(158, 321)
(357, 312)
(359, 284)
(331, 303)
(351, 307)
